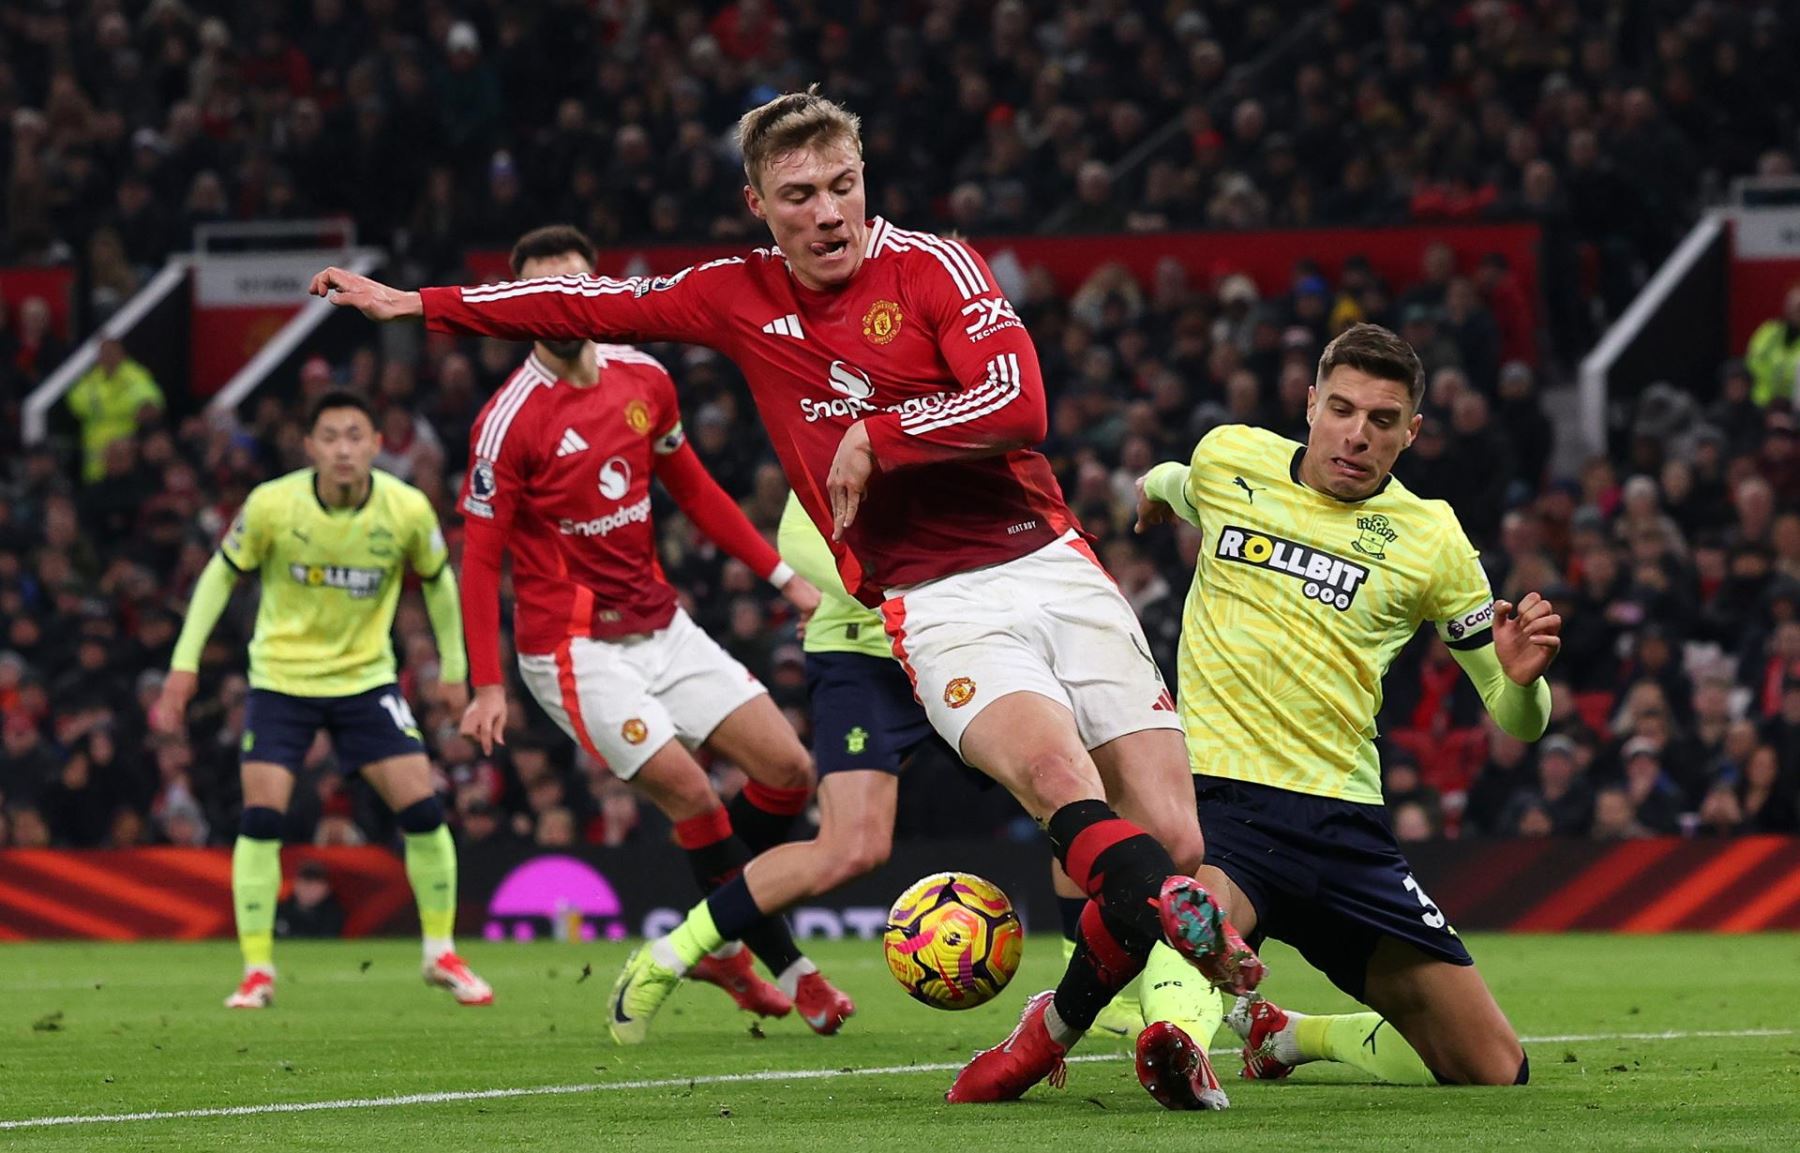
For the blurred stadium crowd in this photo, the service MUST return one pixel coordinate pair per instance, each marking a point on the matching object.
(441, 128)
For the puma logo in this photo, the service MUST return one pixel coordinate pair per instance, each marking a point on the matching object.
(1245, 485)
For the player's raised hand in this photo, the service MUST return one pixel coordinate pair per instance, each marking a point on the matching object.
(1150, 511)
(169, 714)
(484, 721)
(372, 298)
(1526, 638)
(848, 480)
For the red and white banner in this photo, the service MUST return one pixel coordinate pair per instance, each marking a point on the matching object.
(239, 303)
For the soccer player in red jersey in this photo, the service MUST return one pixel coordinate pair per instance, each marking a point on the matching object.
(902, 395)
(560, 465)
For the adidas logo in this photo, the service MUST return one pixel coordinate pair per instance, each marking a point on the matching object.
(788, 325)
(571, 443)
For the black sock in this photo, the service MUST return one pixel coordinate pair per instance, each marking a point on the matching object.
(737, 918)
(765, 817)
(1068, 910)
(1108, 955)
(1118, 865)
(717, 857)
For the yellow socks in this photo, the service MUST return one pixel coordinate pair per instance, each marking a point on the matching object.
(1363, 1041)
(255, 887)
(431, 868)
(1174, 991)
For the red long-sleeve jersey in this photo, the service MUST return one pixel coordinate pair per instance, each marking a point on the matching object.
(921, 345)
(560, 476)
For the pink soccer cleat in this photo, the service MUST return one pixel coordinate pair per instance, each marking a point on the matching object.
(822, 1007)
(453, 973)
(1175, 1071)
(1004, 1072)
(737, 975)
(1196, 928)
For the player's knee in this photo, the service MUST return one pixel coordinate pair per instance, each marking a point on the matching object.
(422, 816)
(868, 853)
(260, 823)
(1501, 1060)
(1182, 840)
(852, 851)
(792, 770)
(1056, 778)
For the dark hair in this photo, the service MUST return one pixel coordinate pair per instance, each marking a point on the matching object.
(1378, 352)
(338, 398)
(552, 240)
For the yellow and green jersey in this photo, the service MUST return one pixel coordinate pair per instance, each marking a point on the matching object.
(841, 624)
(1299, 604)
(331, 582)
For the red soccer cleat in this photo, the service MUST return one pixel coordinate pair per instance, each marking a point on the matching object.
(1196, 928)
(453, 973)
(1258, 1021)
(1175, 1071)
(256, 991)
(823, 1008)
(737, 975)
(1004, 1072)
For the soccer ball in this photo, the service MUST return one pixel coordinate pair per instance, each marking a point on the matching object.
(953, 940)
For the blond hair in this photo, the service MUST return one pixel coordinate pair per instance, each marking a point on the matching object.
(792, 122)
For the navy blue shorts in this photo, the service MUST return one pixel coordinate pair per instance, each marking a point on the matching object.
(1326, 876)
(864, 713)
(364, 728)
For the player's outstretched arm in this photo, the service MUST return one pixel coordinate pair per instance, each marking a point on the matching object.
(372, 298)
(714, 513)
(211, 594)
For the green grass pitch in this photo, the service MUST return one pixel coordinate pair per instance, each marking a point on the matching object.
(1636, 1043)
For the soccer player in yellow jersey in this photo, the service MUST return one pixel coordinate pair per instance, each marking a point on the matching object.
(1316, 567)
(331, 545)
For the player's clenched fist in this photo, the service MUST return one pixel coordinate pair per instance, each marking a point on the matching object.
(372, 298)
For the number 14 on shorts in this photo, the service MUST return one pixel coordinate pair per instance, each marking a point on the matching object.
(402, 713)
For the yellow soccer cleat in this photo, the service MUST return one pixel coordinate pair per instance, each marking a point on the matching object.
(639, 992)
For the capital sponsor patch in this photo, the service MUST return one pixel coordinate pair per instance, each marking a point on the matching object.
(1328, 579)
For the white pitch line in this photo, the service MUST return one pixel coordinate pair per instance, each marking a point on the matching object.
(708, 1079)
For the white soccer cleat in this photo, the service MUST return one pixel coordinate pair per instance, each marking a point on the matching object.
(453, 973)
(255, 991)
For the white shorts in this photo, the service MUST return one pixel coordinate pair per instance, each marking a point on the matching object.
(623, 699)
(1052, 623)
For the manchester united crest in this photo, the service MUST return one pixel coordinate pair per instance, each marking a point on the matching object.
(637, 415)
(959, 692)
(634, 731)
(881, 324)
